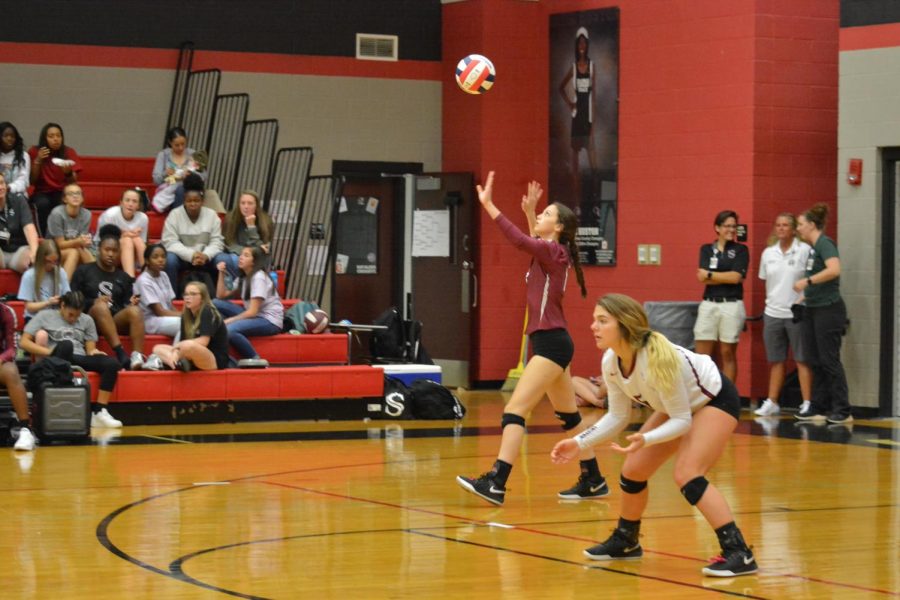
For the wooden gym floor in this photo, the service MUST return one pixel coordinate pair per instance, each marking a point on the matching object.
(371, 510)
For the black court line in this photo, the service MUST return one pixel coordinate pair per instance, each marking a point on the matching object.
(856, 435)
(557, 535)
(593, 567)
(103, 537)
(102, 534)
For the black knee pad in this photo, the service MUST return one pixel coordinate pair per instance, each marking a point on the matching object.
(629, 486)
(569, 420)
(511, 419)
(694, 489)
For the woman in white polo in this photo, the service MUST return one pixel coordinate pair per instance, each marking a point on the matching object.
(720, 319)
(782, 264)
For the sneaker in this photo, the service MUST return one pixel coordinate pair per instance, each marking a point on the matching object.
(154, 363)
(804, 406)
(809, 415)
(25, 441)
(733, 564)
(137, 361)
(768, 409)
(839, 419)
(253, 363)
(483, 486)
(586, 488)
(104, 419)
(617, 547)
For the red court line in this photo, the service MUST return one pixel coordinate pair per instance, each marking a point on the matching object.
(551, 534)
(73, 55)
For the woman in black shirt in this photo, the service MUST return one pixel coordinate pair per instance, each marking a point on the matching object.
(109, 301)
(204, 336)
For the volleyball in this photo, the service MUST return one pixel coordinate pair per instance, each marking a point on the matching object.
(315, 321)
(475, 74)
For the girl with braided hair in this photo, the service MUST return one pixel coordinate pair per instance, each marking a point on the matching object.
(553, 250)
(696, 408)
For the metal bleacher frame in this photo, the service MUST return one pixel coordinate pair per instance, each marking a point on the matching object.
(226, 137)
(243, 155)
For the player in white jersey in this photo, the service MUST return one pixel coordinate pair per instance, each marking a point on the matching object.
(695, 408)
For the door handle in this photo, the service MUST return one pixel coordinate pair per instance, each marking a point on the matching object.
(468, 268)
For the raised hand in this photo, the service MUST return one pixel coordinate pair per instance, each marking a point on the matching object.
(485, 194)
(530, 199)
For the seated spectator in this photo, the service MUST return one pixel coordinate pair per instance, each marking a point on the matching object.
(18, 236)
(70, 334)
(246, 225)
(155, 294)
(173, 164)
(15, 164)
(192, 235)
(590, 391)
(108, 299)
(204, 336)
(133, 223)
(43, 291)
(70, 227)
(53, 165)
(9, 377)
(262, 312)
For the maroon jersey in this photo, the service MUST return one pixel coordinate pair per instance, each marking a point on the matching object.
(545, 280)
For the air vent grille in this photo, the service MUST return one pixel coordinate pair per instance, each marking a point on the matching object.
(371, 46)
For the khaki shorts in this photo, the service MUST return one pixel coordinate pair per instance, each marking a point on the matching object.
(9, 260)
(720, 321)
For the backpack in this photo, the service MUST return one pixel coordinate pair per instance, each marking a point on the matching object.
(52, 371)
(431, 400)
(396, 402)
(400, 342)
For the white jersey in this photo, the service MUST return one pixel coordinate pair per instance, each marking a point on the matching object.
(700, 382)
(781, 270)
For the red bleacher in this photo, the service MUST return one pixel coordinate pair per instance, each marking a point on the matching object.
(324, 372)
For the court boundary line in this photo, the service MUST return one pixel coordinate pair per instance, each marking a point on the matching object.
(102, 530)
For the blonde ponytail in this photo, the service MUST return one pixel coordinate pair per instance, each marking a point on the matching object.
(663, 363)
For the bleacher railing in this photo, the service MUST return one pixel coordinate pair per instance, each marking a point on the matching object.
(283, 200)
(199, 104)
(179, 88)
(254, 159)
(226, 137)
(312, 253)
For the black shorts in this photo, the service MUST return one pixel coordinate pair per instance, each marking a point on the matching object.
(727, 399)
(553, 344)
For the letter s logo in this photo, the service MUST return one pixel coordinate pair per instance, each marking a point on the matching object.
(394, 403)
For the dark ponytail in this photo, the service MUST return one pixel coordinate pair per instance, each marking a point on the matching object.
(569, 222)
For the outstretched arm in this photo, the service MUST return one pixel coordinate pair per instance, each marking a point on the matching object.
(529, 204)
(485, 196)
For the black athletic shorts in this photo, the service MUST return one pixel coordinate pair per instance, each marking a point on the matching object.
(727, 399)
(554, 344)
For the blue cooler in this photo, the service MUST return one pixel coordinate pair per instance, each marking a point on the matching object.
(409, 373)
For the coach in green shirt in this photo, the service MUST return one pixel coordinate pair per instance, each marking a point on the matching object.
(824, 321)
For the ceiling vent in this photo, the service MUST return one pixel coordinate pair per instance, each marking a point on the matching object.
(371, 46)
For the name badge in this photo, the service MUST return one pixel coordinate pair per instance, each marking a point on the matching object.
(809, 263)
(713, 262)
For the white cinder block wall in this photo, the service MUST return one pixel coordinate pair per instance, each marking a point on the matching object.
(122, 112)
(869, 120)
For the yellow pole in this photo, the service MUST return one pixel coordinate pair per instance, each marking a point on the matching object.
(512, 378)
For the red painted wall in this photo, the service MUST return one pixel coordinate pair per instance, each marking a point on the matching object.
(722, 105)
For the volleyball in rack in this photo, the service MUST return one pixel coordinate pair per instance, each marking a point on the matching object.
(475, 74)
